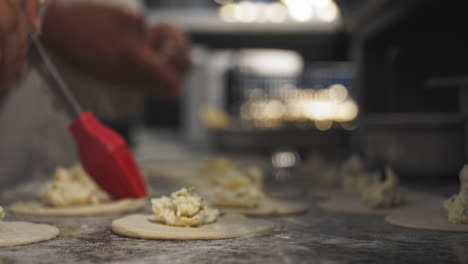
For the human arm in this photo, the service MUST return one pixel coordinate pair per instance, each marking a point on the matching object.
(17, 19)
(115, 45)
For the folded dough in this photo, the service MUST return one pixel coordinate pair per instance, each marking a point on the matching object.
(457, 205)
(72, 187)
(386, 194)
(184, 208)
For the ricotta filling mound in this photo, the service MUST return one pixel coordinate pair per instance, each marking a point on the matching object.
(355, 178)
(457, 205)
(233, 186)
(184, 208)
(386, 194)
(72, 187)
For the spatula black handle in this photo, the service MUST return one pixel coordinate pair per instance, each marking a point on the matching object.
(40, 58)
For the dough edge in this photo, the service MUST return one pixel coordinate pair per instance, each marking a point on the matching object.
(270, 207)
(129, 226)
(46, 232)
(352, 204)
(431, 217)
(39, 209)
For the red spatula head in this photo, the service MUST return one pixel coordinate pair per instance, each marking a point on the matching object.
(106, 158)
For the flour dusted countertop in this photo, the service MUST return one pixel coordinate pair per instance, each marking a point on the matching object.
(313, 237)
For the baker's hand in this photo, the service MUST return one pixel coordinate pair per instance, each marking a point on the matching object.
(172, 44)
(114, 45)
(17, 19)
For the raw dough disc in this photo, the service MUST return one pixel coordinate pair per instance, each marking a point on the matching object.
(21, 233)
(268, 207)
(37, 208)
(348, 203)
(430, 216)
(229, 226)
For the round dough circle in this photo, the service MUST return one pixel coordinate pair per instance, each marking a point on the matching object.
(430, 216)
(352, 204)
(39, 209)
(269, 207)
(22, 233)
(229, 226)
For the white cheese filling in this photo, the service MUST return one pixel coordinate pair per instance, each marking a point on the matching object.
(457, 205)
(184, 208)
(72, 187)
(355, 178)
(233, 186)
(386, 194)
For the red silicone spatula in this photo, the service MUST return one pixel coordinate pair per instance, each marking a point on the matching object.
(103, 153)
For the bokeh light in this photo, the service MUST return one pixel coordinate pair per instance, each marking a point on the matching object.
(338, 92)
(322, 107)
(271, 62)
(320, 3)
(246, 12)
(227, 13)
(299, 10)
(323, 125)
(284, 159)
(329, 13)
(346, 111)
(222, 2)
(276, 13)
(324, 11)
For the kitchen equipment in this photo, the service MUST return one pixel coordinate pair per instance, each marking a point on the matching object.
(411, 117)
(277, 111)
(103, 153)
(417, 144)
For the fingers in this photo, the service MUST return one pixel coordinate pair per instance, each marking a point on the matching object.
(14, 29)
(32, 9)
(170, 55)
(115, 46)
(169, 42)
(17, 19)
(156, 68)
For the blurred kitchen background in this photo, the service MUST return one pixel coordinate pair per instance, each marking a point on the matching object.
(289, 78)
(269, 78)
(284, 79)
(381, 78)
